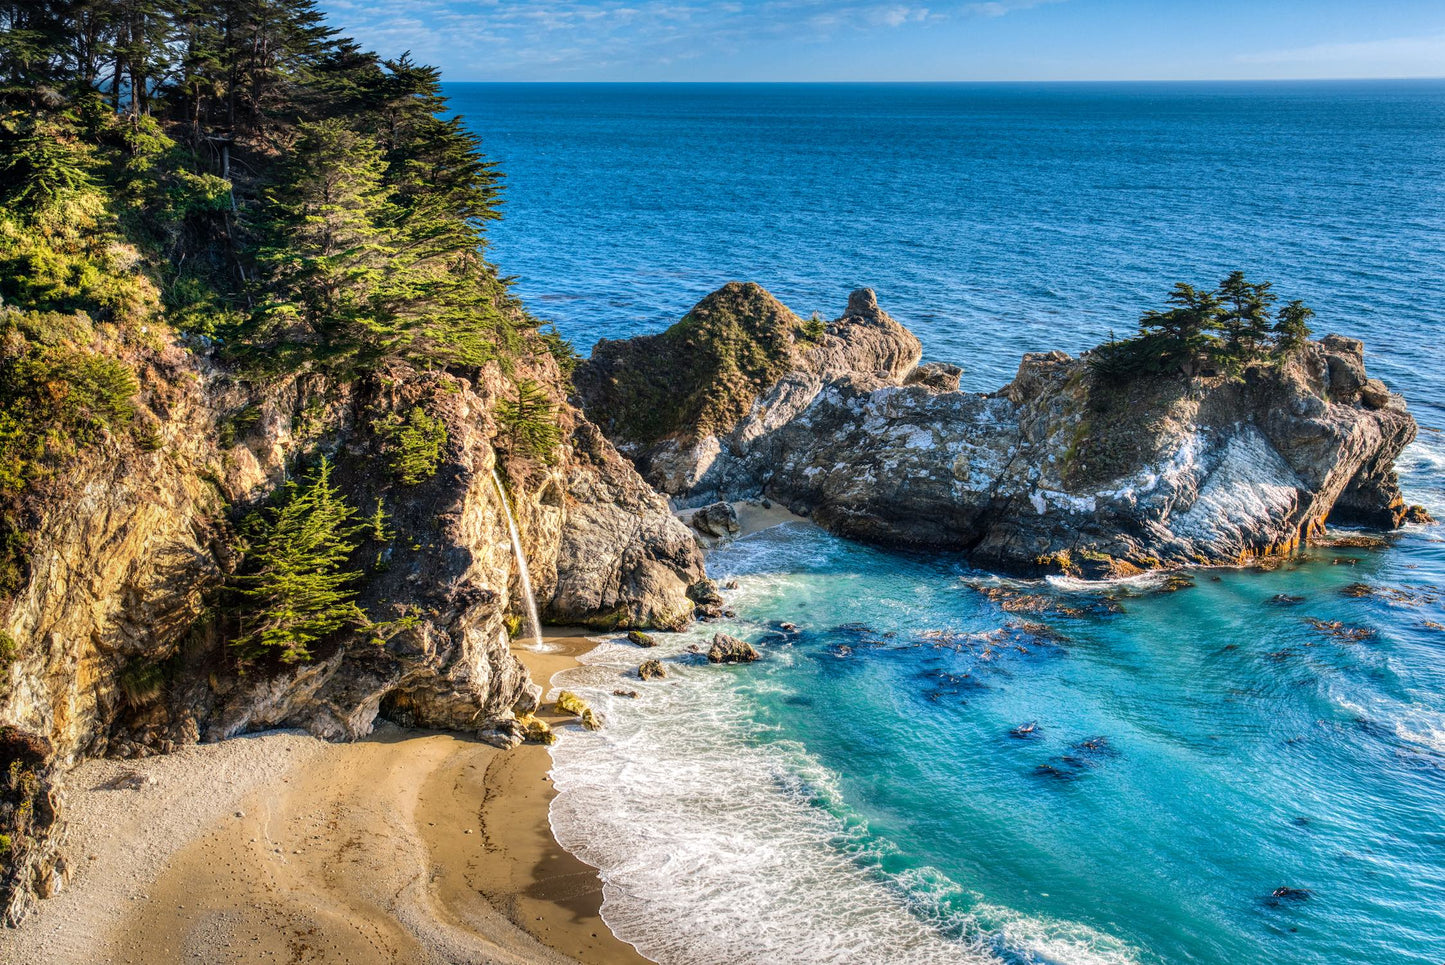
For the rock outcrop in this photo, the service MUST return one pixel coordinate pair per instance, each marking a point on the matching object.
(729, 649)
(1055, 472)
(682, 403)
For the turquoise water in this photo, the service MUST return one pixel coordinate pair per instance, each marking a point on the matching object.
(858, 795)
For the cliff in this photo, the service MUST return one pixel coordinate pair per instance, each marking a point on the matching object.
(1056, 472)
(121, 638)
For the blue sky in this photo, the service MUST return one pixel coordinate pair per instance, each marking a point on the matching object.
(702, 40)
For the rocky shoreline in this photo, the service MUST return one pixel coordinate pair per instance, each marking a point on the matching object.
(1055, 472)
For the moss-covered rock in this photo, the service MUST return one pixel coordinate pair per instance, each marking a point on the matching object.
(651, 670)
(570, 703)
(536, 730)
(640, 639)
(701, 375)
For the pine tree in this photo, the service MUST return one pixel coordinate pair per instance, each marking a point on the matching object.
(297, 587)
(1244, 320)
(1183, 335)
(1291, 328)
(329, 252)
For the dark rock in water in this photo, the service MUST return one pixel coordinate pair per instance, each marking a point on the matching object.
(709, 602)
(1056, 472)
(630, 694)
(1419, 515)
(651, 670)
(1057, 774)
(640, 638)
(717, 520)
(730, 614)
(1022, 731)
(1340, 631)
(1357, 590)
(1096, 746)
(1283, 894)
(1285, 599)
(1175, 582)
(1300, 821)
(788, 627)
(853, 628)
(730, 585)
(728, 649)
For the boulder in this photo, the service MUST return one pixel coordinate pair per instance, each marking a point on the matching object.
(569, 703)
(640, 639)
(651, 670)
(717, 520)
(708, 601)
(536, 731)
(729, 649)
(937, 375)
(505, 734)
(1374, 394)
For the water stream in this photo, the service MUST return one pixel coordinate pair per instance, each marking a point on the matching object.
(536, 621)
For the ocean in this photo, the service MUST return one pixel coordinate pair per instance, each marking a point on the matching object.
(859, 795)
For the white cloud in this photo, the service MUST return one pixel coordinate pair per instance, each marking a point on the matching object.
(998, 8)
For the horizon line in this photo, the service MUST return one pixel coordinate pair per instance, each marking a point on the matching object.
(1133, 80)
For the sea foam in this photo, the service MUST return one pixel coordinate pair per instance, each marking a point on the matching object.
(717, 844)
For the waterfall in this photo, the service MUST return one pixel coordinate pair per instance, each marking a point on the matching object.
(521, 565)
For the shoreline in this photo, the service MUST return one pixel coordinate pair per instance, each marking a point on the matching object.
(406, 846)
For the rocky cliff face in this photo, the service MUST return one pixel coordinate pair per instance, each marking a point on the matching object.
(121, 643)
(1055, 472)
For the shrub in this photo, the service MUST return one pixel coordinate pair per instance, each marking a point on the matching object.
(414, 446)
(530, 423)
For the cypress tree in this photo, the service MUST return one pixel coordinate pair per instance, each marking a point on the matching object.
(1244, 319)
(1291, 328)
(297, 588)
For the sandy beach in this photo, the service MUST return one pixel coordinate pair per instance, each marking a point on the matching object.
(409, 846)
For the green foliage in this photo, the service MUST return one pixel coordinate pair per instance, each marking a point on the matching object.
(813, 329)
(1224, 330)
(142, 681)
(530, 422)
(703, 374)
(42, 164)
(414, 446)
(296, 589)
(9, 650)
(376, 524)
(236, 425)
(560, 349)
(58, 395)
(1291, 328)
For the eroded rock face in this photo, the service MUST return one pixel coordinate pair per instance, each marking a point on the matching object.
(120, 647)
(1054, 472)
